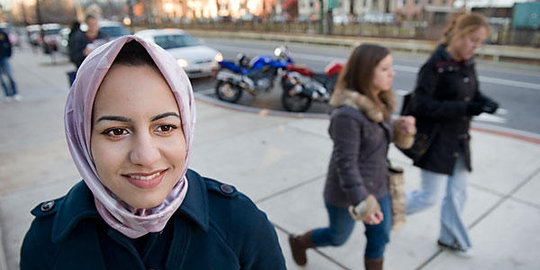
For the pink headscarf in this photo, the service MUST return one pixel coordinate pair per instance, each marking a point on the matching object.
(131, 222)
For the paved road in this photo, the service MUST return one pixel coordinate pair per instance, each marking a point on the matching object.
(516, 87)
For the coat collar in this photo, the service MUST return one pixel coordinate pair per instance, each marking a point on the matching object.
(79, 204)
(446, 57)
(346, 97)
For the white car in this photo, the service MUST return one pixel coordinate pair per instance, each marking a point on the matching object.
(196, 59)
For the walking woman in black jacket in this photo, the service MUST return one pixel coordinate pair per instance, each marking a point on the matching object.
(445, 100)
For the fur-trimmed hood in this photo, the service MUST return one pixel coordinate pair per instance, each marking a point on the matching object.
(354, 99)
(350, 98)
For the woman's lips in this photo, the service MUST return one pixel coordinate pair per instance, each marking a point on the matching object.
(145, 180)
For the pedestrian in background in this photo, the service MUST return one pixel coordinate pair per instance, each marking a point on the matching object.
(357, 181)
(129, 122)
(10, 90)
(83, 43)
(446, 98)
(74, 28)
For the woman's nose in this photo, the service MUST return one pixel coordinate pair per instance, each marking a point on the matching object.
(145, 151)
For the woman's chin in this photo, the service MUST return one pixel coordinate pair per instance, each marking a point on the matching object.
(146, 204)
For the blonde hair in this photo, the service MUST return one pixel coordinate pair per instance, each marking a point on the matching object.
(464, 24)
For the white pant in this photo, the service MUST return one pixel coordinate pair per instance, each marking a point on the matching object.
(453, 230)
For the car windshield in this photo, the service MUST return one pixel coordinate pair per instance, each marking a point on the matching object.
(114, 31)
(53, 31)
(175, 41)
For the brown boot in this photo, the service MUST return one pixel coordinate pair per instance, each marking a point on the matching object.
(299, 244)
(371, 264)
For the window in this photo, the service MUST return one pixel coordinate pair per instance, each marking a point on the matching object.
(175, 41)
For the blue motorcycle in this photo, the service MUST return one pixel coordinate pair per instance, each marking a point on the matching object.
(254, 76)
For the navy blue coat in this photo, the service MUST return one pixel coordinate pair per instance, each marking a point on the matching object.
(5, 45)
(216, 227)
(443, 89)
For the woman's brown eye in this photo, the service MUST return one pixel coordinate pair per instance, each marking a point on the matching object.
(165, 128)
(117, 131)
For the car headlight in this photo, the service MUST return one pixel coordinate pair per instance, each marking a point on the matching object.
(218, 57)
(182, 62)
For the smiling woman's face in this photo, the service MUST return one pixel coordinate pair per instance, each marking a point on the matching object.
(137, 143)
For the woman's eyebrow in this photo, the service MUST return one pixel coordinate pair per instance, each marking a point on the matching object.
(114, 118)
(163, 115)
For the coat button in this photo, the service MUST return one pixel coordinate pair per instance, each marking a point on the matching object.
(227, 189)
(47, 206)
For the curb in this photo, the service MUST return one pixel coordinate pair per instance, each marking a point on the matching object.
(3, 265)
(259, 111)
(484, 128)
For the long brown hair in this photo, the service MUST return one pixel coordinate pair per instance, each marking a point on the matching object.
(358, 73)
(464, 24)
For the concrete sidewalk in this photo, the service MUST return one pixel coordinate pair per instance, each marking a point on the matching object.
(280, 162)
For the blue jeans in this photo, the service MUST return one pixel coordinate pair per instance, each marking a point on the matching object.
(453, 230)
(342, 225)
(5, 69)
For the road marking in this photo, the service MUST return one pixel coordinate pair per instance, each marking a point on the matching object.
(208, 91)
(401, 92)
(484, 117)
(406, 68)
(510, 83)
(483, 79)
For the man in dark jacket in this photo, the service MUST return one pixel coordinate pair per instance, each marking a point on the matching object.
(5, 69)
(83, 43)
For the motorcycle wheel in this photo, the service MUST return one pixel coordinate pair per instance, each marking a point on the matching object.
(228, 92)
(295, 103)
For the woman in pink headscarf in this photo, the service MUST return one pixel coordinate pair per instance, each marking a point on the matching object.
(129, 125)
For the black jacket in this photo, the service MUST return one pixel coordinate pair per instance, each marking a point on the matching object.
(216, 227)
(443, 89)
(77, 44)
(5, 45)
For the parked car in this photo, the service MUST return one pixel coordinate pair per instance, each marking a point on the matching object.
(51, 35)
(342, 19)
(196, 59)
(378, 17)
(63, 41)
(34, 35)
(112, 29)
(13, 36)
(249, 17)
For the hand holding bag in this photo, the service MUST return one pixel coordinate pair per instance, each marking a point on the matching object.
(396, 186)
(425, 133)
